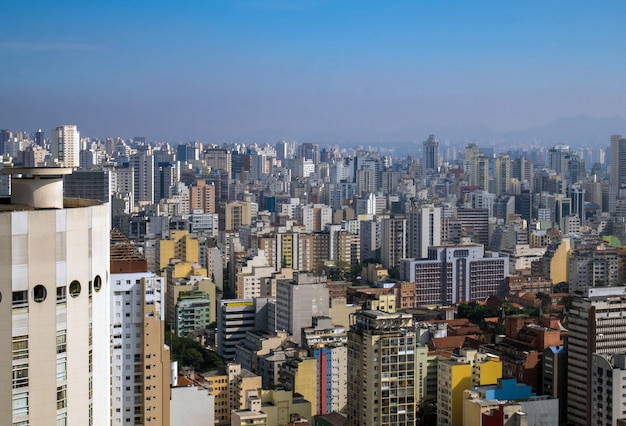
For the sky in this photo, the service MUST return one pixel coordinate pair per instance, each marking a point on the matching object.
(309, 70)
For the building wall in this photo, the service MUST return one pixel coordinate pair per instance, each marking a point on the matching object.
(53, 248)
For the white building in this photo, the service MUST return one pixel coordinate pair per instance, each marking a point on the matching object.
(65, 146)
(55, 340)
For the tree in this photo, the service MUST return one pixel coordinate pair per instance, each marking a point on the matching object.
(546, 301)
(427, 411)
(190, 353)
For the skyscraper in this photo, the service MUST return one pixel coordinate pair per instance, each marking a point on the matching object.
(65, 146)
(55, 354)
(617, 176)
(503, 174)
(431, 153)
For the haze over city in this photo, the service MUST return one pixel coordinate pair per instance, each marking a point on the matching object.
(324, 71)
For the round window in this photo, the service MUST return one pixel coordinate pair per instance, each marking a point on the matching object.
(97, 283)
(39, 293)
(74, 288)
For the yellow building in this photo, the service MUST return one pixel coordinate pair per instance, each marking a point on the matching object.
(300, 376)
(559, 265)
(179, 245)
(474, 408)
(458, 374)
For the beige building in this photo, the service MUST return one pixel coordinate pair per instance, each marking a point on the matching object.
(387, 369)
(232, 389)
(55, 352)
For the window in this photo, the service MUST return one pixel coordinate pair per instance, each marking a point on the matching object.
(61, 397)
(61, 295)
(39, 293)
(61, 369)
(20, 347)
(74, 288)
(20, 299)
(97, 283)
(61, 341)
(20, 376)
(20, 404)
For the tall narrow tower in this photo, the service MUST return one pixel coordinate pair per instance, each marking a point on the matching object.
(431, 153)
(54, 306)
(65, 146)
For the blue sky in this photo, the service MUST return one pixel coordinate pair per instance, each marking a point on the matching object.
(330, 70)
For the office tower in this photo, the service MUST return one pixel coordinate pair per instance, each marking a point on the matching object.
(597, 319)
(88, 184)
(186, 153)
(281, 151)
(166, 175)
(617, 176)
(393, 241)
(522, 169)
(577, 194)
(424, 229)
(456, 274)
(557, 160)
(503, 174)
(298, 300)
(308, 151)
(235, 317)
(140, 360)
(39, 138)
(55, 343)
(431, 154)
(5, 137)
(219, 159)
(142, 163)
(65, 146)
(386, 369)
(475, 224)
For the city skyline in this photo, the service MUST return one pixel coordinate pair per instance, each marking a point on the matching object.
(321, 71)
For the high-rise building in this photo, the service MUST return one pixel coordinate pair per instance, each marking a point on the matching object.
(65, 146)
(617, 175)
(39, 138)
(393, 241)
(55, 364)
(386, 369)
(479, 176)
(597, 319)
(140, 360)
(431, 153)
(424, 229)
(503, 174)
(299, 300)
(142, 163)
(219, 159)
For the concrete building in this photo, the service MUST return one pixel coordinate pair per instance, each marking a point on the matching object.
(202, 196)
(608, 375)
(65, 146)
(596, 320)
(456, 274)
(593, 267)
(234, 318)
(298, 301)
(55, 351)
(430, 152)
(140, 360)
(386, 369)
(423, 230)
(393, 241)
